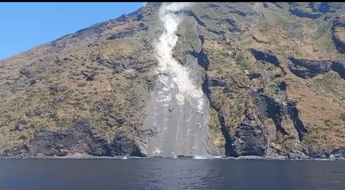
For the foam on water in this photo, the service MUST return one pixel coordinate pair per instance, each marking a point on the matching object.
(202, 157)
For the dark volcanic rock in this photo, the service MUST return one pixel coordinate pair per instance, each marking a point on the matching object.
(117, 65)
(334, 154)
(183, 156)
(338, 153)
(55, 89)
(279, 4)
(191, 13)
(229, 151)
(26, 72)
(21, 125)
(250, 139)
(231, 24)
(301, 13)
(282, 85)
(90, 76)
(112, 122)
(298, 124)
(339, 67)
(125, 146)
(323, 7)
(253, 75)
(120, 66)
(19, 150)
(215, 82)
(268, 108)
(309, 68)
(266, 56)
(319, 154)
(293, 156)
(338, 24)
(80, 139)
(100, 60)
(259, 40)
(216, 31)
(32, 82)
(94, 30)
(236, 10)
(57, 100)
(122, 34)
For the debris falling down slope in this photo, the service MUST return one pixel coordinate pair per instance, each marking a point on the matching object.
(176, 111)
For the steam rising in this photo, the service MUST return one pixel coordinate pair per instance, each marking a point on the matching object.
(163, 53)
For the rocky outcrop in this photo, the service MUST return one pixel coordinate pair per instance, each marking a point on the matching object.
(192, 14)
(123, 145)
(25, 72)
(231, 24)
(318, 154)
(250, 137)
(216, 31)
(323, 7)
(118, 66)
(81, 138)
(120, 63)
(338, 154)
(338, 27)
(304, 14)
(122, 34)
(229, 151)
(89, 75)
(294, 116)
(333, 154)
(215, 82)
(266, 56)
(339, 67)
(253, 75)
(268, 108)
(279, 4)
(55, 89)
(259, 40)
(20, 126)
(20, 150)
(309, 68)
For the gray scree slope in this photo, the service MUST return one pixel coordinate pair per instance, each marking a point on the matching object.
(180, 129)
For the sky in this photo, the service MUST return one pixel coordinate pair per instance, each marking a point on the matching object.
(27, 25)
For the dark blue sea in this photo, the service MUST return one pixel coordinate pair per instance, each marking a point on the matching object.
(176, 174)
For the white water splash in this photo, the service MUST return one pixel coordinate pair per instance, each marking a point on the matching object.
(201, 157)
(163, 53)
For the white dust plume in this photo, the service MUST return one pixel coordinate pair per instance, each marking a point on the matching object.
(163, 53)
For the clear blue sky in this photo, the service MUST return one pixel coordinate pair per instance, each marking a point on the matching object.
(26, 25)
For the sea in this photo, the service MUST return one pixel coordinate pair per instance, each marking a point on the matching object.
(174, 174)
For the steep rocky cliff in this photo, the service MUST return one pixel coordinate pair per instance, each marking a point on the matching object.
(272, 75)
